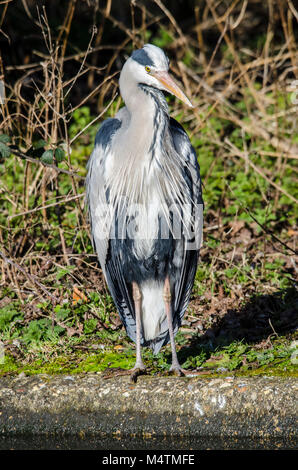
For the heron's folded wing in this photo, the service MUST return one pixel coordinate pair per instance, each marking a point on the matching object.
(96, 190)
(101, 217)
(191, 247)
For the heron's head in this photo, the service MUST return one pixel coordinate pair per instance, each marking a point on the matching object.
(150, 66)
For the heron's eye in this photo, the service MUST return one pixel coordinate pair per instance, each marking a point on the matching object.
(148, 69)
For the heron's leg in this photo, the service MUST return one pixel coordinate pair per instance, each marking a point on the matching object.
(139, 367)
(167, 296)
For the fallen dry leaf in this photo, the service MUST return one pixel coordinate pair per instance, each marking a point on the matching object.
(78, 295)
(292, 233)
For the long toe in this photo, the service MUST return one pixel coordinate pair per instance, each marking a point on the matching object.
(177, 371)
(136, 371)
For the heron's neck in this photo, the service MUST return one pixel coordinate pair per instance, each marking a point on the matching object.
(148, 118)
(143, 150)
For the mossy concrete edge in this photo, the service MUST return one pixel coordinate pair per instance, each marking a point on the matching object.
(88, 411)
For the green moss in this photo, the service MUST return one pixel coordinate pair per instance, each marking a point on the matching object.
(99, 362)
(68, 364)
(237, 358)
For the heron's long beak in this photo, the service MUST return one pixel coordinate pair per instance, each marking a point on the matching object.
(167, 81)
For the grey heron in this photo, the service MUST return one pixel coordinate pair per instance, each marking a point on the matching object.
(145, 203)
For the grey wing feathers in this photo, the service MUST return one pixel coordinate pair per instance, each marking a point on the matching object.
(96, 198)
(121, 295)
(97, 201)
(184, 284)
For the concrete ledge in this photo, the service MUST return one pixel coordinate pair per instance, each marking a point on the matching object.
(89, 412)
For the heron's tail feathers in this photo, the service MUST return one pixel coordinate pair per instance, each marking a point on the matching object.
(153, 312)
(154, 320)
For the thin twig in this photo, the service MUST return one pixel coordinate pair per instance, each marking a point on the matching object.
(23, 156)
(238, 153)
(95, 119)
(46, 206)
(29, 276)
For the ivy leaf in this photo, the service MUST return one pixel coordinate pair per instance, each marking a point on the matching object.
(37, 149)
(4, 150)
(39, 144)
(4, 138)
(64, 271)
(47, 157)
(59, 154)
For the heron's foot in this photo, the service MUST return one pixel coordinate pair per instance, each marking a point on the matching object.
(176, 370)
(139, 369)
